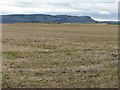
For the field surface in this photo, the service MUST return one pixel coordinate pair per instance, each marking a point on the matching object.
(59, 55)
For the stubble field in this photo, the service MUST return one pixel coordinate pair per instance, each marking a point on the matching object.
(59, 55)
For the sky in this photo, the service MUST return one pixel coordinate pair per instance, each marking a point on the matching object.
(101, 10)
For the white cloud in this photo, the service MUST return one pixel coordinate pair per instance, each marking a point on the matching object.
(104, 12)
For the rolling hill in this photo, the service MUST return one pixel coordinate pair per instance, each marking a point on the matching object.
(42, 18)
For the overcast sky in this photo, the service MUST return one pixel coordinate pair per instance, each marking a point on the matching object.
(97, 9)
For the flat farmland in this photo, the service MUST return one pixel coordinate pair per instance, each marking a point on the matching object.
(60, 55)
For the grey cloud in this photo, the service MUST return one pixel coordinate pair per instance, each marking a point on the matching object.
(91, 8)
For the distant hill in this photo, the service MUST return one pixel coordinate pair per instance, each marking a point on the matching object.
(42, 18)
(110, 22)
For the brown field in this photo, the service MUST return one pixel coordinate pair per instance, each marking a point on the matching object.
(60, 55)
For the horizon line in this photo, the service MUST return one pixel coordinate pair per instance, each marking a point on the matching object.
(97, 19)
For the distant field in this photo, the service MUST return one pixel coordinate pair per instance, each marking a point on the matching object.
(60, 55)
